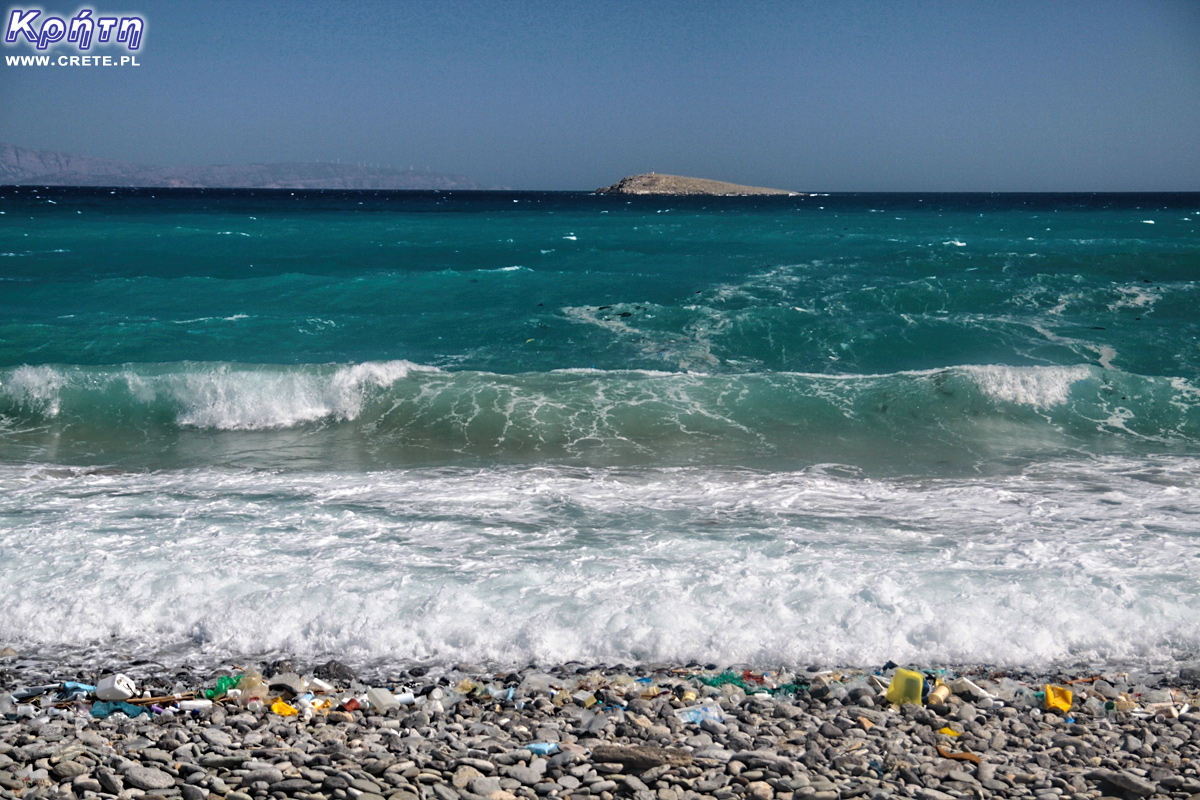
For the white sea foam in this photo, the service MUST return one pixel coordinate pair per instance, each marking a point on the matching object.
(220, 397)
(229, 399)
(1039, 387)
(36, 387)
(1092, 560)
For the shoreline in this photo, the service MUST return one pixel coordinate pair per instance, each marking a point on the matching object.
(648, 732)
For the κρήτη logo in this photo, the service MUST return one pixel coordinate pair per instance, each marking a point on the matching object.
(81, 30)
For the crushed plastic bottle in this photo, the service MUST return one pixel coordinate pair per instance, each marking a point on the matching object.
(253, 688)
(697, 714)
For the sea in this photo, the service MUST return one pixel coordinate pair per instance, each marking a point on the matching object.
(518, 427)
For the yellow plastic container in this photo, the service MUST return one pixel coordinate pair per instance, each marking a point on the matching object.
(1059, 697)
(906, 687)
(283, 709)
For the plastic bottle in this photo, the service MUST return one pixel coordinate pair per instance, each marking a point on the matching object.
(194, 705)
(381, 699)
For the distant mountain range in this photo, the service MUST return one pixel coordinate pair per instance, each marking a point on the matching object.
(23, 166)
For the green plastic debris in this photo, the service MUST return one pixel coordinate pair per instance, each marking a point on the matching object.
(224, 684)
(747, 686)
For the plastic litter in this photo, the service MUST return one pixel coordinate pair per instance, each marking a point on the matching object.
(289, 682)
(115, 687)
(283, 709)
(1059, 698)
(749, 683)
(382, 699)
(32, 691)
(697, 714)
(939, 695)
(194, 705)
(949, 731)
(73, 691)
(106, 708)
(224, 684)
(906, 687)
(967, 687)
(542, 748)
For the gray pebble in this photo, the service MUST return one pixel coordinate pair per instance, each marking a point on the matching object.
(148, 778)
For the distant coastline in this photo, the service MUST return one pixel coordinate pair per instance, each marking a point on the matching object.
(653, 183)
(22, 166)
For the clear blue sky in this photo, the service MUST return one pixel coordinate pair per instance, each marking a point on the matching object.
(835, 95)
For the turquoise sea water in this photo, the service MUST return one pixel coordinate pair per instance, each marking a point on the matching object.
(517, 426)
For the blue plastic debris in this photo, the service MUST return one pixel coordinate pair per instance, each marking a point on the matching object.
(542, 748)
(73, 691)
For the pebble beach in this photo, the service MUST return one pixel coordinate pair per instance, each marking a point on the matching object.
(650, 732)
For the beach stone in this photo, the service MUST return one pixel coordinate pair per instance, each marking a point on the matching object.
(215, 737)
(831, 731)
(292, 785)
(484, 766)
(640, 758)
(464, 775)
(443, 792)
(264, 774)
(761, 790)
(380, 766)
(334, 670)
(484, 786)
(223, 762)
(191, 792)
(156, 754)
(1130, 783)
(332, 783)
(527, 776)
(86, 783)
(68, 769)
(364, 785)
(148, 778)
(110, 782)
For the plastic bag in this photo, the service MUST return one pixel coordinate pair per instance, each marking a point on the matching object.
(106, 708)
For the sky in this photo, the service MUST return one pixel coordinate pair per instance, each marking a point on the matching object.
(839, 95)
